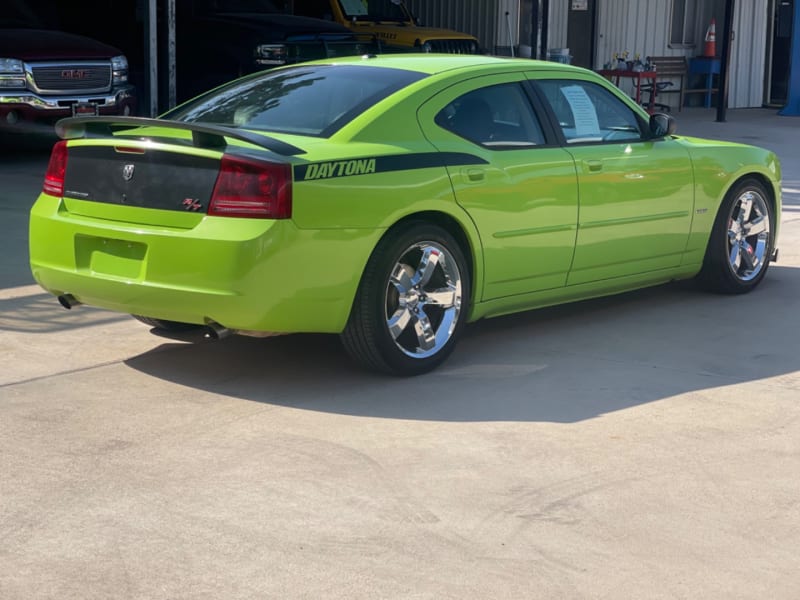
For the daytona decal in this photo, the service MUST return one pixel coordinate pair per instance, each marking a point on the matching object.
(382, 164)
(340, 168)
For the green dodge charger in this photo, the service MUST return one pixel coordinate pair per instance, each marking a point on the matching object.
(391, 200)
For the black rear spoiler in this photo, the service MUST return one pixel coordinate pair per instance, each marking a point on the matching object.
(203, 135)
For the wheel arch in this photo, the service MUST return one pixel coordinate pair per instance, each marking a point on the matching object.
(466, 236)
(719, 273)
(367, 336)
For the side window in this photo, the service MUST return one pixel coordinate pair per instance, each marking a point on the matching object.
(684, 21)
(498, 117)
(588, 112)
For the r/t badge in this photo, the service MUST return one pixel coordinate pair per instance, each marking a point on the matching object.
(191, 204)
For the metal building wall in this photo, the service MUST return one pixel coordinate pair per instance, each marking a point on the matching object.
(748, 54)
(643, 26)
(485, 19)
(557, 24)
(507, 32)
(638, 26)
(476, 17)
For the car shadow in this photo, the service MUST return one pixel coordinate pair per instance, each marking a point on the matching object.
(561, 364)
(37, 312)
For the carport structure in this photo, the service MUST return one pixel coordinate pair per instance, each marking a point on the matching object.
(760, 38)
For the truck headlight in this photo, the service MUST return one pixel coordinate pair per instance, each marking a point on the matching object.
(119, 70)
(11, 65)
(271, 54)
(12, 73)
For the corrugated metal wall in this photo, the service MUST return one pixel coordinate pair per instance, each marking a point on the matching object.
(507, 32)
(748, 54)
(638, 26)
(476, 17)
(557, 24)
(485, 19)
(643, 26)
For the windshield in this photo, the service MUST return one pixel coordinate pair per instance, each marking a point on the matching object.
(305, 100)
(374, 10)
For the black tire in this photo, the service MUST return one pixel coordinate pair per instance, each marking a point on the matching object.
(741, 243)
(166, 325)
(412, 302)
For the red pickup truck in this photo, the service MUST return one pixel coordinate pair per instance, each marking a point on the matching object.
(46, 75)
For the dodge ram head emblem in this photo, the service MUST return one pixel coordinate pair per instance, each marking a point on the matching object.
(127, 172)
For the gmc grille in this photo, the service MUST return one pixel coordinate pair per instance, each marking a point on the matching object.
(72, 77)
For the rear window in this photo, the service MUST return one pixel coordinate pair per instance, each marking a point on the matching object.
(305, 100)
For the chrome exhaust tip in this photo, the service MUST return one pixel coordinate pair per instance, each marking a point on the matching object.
(68, 301)
(215, 331)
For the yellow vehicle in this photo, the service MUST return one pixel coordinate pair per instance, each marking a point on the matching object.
(389, 21)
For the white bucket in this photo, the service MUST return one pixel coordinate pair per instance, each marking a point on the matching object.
(559, 55)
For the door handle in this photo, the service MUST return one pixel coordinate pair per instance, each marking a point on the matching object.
(594, 165)
(474, 175)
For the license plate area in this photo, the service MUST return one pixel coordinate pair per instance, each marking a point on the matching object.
(85, 109)
(107, 256)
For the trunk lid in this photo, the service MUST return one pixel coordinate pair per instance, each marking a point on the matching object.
(152, 171)
(132, 175)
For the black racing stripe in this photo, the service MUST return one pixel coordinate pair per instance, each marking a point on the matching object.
(383, 164)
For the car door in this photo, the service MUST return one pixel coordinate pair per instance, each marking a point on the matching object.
(636, 193)
(522, 190)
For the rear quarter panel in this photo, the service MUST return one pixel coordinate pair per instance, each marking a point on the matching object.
(368, 186)
(359, 191)
(397, 174)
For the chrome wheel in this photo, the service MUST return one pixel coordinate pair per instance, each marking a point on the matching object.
(741, 245)
(423, 299)
(413, 301)
(748, 235)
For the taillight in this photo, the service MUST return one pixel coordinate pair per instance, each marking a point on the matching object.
(252, 188)
(54, 178)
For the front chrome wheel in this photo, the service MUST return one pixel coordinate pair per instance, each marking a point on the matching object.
(748, 235)
(741, 243)
(423, 299)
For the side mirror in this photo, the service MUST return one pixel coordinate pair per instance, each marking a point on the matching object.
(662, 125)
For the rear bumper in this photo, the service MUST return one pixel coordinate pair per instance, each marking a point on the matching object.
(245, 274)
(28, 106)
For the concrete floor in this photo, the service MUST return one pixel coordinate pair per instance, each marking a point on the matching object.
(641, 446)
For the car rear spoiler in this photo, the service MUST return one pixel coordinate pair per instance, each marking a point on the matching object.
(203, 135)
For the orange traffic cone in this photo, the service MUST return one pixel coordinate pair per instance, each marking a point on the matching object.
(710, 47)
